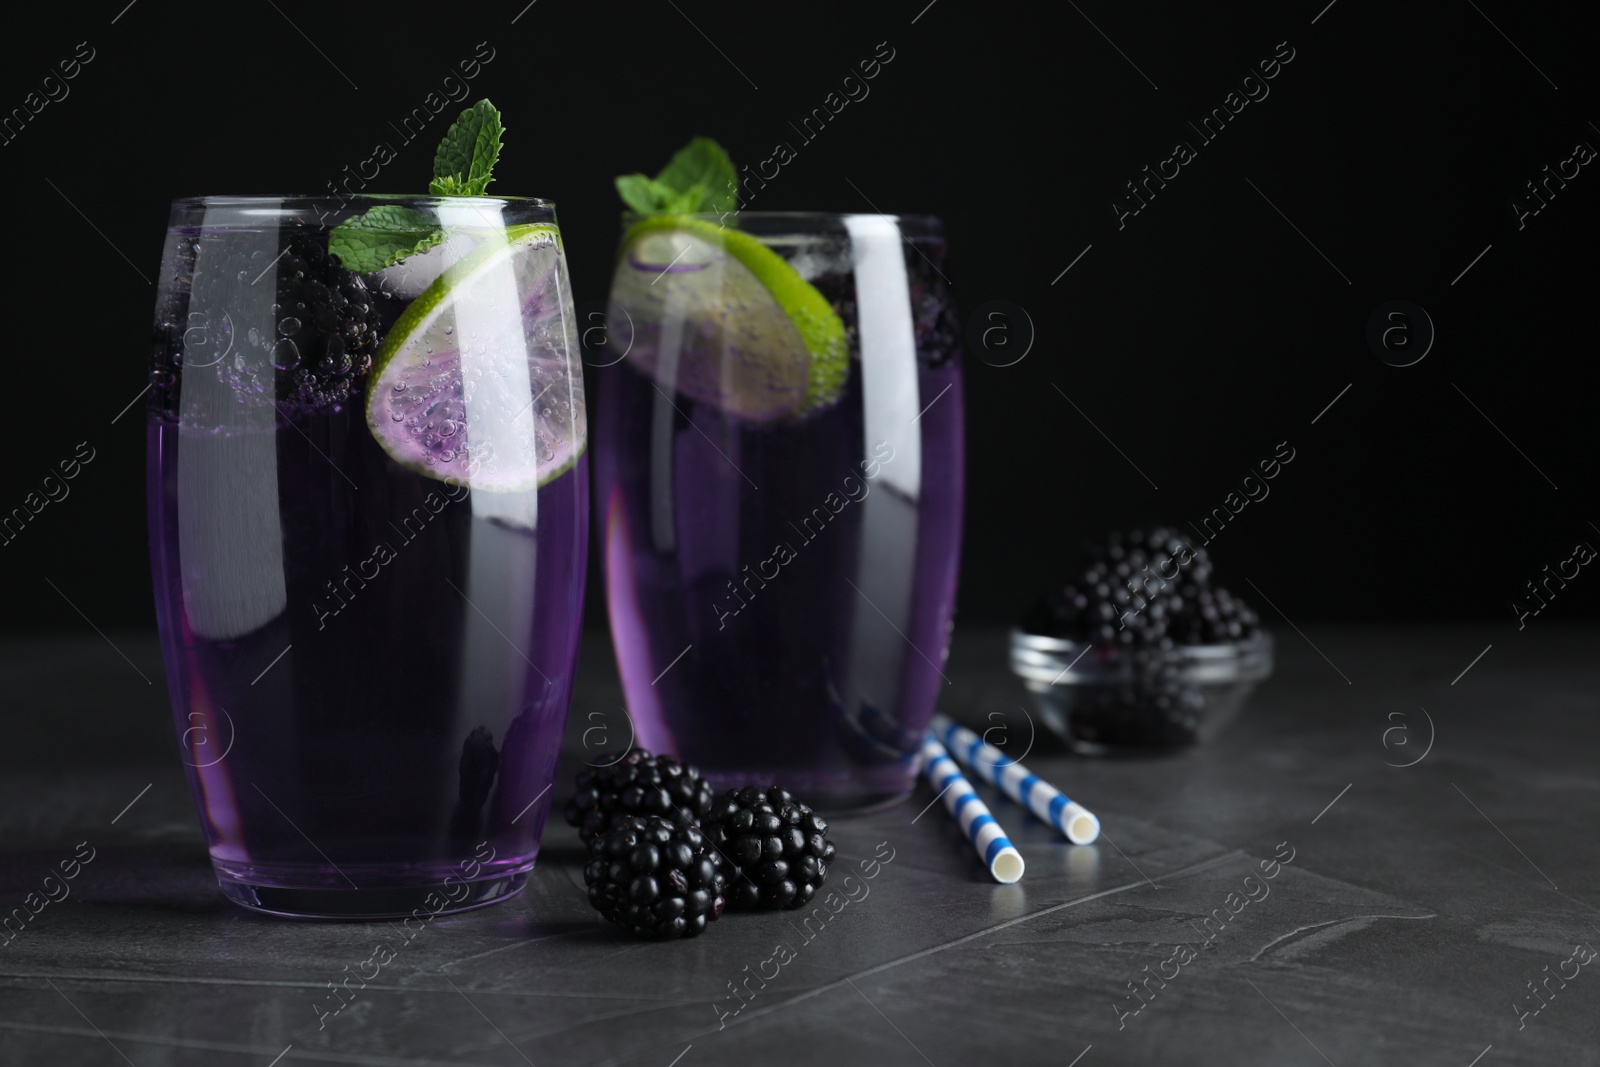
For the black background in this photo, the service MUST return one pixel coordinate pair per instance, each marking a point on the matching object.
(1195, 338)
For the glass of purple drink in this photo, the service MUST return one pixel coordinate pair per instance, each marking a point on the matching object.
(779, 473)
(368, 508)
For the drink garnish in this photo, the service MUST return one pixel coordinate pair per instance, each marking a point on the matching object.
(451, 385)
(700, 177)
(462, 166)
(700, 180)
(450, 388)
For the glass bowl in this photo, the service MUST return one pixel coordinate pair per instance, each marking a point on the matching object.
(1107, 699)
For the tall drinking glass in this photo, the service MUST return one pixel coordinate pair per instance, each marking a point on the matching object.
(779, 475)
(368, 504)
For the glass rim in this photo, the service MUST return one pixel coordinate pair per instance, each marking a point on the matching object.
(278, 200)
(921, 222)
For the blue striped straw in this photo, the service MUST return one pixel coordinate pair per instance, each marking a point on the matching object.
(994, 848)
(1076, 822)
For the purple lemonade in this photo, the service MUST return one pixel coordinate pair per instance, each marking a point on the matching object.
(781, 554)
(368, 513)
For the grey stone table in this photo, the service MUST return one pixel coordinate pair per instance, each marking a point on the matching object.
(1420, 907)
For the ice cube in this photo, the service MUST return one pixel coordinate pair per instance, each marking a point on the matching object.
(409, 277)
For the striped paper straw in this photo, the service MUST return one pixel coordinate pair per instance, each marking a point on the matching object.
(1076, 822)
(994, 848)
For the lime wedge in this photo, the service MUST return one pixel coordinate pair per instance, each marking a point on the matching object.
(723, 319)
(476, 383)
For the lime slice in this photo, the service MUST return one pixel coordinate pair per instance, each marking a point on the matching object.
(721, 318)
(475, 384)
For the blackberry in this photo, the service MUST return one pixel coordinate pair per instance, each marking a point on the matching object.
(1215, 616)
(934, 322)
(480, 760)
(778, 847)
(314, 353)
(327, 331)
(1156, 707)
(1170, 556)
(655, 878)
(637, 784)
(479, 764)
(838, 288)
(1131, 586)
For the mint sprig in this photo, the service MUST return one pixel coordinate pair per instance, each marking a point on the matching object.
(699, 178)
(462, 166)
(468, 153)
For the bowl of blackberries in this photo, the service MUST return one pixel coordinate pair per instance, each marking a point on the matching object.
(1140, 650)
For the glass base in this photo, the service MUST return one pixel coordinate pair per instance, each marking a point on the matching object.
(380, 902)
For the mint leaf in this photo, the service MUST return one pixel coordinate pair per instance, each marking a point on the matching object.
(699, 178)
(642, 194)
(382, 237)
(467, 155)
(703, 162)
(648, 196)
(690, 199)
